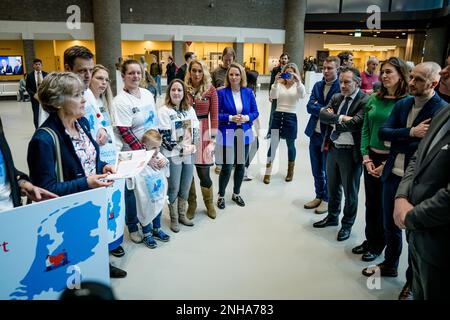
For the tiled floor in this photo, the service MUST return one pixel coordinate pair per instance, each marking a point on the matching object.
(267, 250)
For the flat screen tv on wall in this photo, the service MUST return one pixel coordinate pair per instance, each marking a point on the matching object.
(11, 65)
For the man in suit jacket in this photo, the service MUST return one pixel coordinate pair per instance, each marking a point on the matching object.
(404, 129)
(315, 130)
(18, 69)
(5, 68)
(14, 183)
(344, 116)
(34, 78)
(422, 206)
(188, 57)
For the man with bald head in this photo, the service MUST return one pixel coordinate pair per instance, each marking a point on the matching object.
(444, 85)
(404, 129)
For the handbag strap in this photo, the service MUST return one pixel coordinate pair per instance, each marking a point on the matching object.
(58, 164)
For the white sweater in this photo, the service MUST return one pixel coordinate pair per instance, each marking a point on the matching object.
(287, 99)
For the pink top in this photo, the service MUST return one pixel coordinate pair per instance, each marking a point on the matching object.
(368, 80)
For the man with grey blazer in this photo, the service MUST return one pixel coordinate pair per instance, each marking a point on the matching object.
(344, 116)
(422, 207)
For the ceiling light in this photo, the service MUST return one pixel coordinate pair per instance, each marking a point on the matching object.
(375, 35)
(324, 32)
(403, 33)
(350, 34)
(397, 37)
(378, 31)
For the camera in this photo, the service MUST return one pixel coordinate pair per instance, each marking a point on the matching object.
(286, 75)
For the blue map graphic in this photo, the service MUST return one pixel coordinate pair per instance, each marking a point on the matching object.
(114, 211)
(53, 256)
(155, 187)
(151, 120)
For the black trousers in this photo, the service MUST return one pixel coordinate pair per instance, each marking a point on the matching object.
(343, 173)
(35, 108)
(374, 210)
(232, 156)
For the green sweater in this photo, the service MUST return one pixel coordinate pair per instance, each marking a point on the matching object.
(376, 113)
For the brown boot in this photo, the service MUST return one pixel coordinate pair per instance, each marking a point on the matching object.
(208, 199)
(290, 173)
(182, 208)
(192, 201)
(268, 173)
(173, 211)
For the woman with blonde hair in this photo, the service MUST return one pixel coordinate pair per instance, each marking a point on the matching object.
(288, 90)
(203, 97)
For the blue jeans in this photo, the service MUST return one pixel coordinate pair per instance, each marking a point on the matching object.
(318, 161)
(131, 219)
(274, 141)
(181, 174)
(156, 224)
(158, 84)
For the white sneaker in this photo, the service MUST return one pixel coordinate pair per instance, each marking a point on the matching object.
(136, 237)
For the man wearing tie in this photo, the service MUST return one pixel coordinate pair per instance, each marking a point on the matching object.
(34, 79)
(422, 207)
(344, 116)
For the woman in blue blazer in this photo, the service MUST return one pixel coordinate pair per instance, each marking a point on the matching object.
(61, 95)
(237, 110)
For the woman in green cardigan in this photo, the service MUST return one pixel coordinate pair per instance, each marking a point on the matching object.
(394, 86)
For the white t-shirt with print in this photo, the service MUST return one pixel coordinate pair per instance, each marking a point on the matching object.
(137, 113)
(170, 119)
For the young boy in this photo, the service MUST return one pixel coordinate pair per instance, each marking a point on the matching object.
(150, 189)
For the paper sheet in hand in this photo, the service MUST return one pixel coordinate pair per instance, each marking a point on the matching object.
(130, 163)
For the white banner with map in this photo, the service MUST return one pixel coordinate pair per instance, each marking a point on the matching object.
(49, 246)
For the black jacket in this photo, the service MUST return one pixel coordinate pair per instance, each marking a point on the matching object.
(12, 173)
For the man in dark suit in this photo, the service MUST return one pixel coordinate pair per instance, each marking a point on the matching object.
(34, 79)
(14, 183)
(5, 68)
(18, 69)
(404, 129)
(188, 57)
(315, 130)
(344, 116)
(422, 206)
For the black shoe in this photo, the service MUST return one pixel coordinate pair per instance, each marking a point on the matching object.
(384, 270)
(361, 249)
(369, 256)
(327, 222)
(115, 272)
(344, 234)
(406, 293)
(118, 252)
(221, 203)
(237, 198)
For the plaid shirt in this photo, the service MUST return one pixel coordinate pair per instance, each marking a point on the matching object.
(129, 138)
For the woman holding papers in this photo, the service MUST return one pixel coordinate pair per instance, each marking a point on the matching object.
(134, 114)
(64, 141)
(203, 98)
(178, 125)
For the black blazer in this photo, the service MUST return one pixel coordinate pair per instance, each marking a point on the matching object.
(42, 158)
(31, 84)
(395, 130)
(12, 173)
(356, 110)
(181, 72)
(426, 184)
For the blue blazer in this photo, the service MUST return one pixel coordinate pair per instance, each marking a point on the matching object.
(227, 108)
(395, 130)
(316, 102)
(42, 159)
